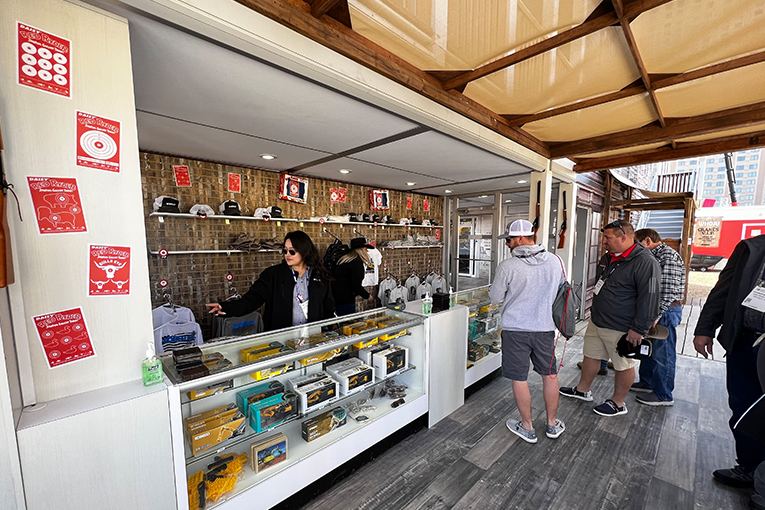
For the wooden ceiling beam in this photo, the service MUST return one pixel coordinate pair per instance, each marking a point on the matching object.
(684, 150)
(676, 128)
(736, 63)
(296, 15)
(321, 7)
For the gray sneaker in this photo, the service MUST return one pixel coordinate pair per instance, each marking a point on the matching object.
(553, 431)
(569, 391)
(516, 428)
(641, 387)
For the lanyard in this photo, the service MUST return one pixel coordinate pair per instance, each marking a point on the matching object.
(298, 295)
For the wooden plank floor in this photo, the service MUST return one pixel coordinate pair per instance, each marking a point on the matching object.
(650, 459)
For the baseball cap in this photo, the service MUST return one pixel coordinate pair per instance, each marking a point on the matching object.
(166, 204)
(518, 228)
(275, 211)
(202, 210)
(230, 208)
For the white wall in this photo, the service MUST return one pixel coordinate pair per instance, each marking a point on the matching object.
(39, 136)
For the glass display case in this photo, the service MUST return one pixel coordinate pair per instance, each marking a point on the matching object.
(246, 410)
(484, 333)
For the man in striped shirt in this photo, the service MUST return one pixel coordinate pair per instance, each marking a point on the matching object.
(657, 373)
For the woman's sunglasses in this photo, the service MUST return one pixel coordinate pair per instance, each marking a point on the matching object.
(286, 251)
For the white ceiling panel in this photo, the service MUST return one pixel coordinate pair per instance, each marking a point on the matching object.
(370, 174)
(181, 76)
(441, 156)
(170, 136)
(481, 186)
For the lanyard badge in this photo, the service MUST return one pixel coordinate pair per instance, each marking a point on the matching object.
(299, 296)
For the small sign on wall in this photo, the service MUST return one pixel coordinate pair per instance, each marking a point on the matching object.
(293, 188)
(234, 183)
(337, 195)
(425, 205)
(409, 203)
(64, 337)
(109, 270)
(98, 142)
(378, 200)
(182, 176)
(58, 208)
(44, 61)
(707, 232)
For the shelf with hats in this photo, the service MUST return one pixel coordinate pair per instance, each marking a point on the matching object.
(191, 252)
(252, 218)
(410, 247)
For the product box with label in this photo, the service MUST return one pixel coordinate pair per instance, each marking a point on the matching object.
(352, 374)
(257, 393)
(268, 413)
(303, 380)
(268, 453)
(348, 329)
(207, 430)
(317, 395)
(387, 322)
(261, 351)
(319, 338)
(323, 356)
(366, 353)
(210, 390)
(324, 423)
(199, 417)
(390, 362)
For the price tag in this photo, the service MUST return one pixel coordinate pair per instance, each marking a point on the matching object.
(756, 299)
(278, 223)
(228, 222)
(321, 221)
(301, 224)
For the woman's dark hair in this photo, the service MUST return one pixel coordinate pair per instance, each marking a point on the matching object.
(305, 247)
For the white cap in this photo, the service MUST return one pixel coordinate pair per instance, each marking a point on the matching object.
(518, 228)
(262, 212)
(202, 210)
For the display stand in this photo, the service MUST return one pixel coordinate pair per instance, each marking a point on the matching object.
(481, 309)
(305, 462)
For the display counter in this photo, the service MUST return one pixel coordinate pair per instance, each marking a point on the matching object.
(255, 419)
(484, 342)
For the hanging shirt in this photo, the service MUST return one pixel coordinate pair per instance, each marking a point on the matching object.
(423, 288)
(300, 298)
(177, 334)
(164, 314)
(372, 270)
(439, 284)
(398, 293)
(386, 286)
(429, 278)
(411, 285)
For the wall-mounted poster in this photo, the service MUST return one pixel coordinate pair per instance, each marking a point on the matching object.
(98, 142)
(64, 336)
(182, 176)
(293, 188)
(44, 61)
(234, 183)
(58, 208)
(109, 270)
(707, 232)
(337, 195)
(425, 205)
(378, 200)
(409, 203)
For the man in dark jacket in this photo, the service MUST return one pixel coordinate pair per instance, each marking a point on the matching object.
(626, 301)
(724, 308)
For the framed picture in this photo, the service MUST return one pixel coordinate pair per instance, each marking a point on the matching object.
(293, 188)
(378, 200)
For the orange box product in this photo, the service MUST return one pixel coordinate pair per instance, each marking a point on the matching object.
(207, 414)
(212, 421)
(324, 356)
(196, 489)
(348, 329)
(202, 440)
(254, 353)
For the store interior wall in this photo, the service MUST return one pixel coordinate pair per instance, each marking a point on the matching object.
(196, 279)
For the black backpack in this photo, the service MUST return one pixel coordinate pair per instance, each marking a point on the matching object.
(333, 254)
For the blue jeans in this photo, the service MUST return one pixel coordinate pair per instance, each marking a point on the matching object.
(658, 371)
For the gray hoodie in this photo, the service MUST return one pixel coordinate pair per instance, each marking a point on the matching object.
(527, 283)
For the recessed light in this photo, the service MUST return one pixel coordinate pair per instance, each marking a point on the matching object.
(448, 191)
(410, 183)
(344, 171)
(522, 182)
(508, 201)
(268, 156)
(484, 196)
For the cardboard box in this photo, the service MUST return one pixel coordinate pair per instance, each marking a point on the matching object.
(207, 414)
(322, 424)
(268, 453)
(256, 352)
(257, 393)
(390, 362)
(212, 389)
(324, 356)
(317, 395)
(268, 413)
(212, 421)
(365, 354)
(354, 378)
(297, 382)
(268, 373)
(202, 440)
(348, 328)
(298, 343)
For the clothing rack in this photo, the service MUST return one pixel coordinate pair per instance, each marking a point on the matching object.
(333, 235)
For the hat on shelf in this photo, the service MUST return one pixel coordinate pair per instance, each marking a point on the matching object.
(405, 221)
(415, 221)
(518, 228)
(360, 242)
(230, 208)
(426, 223)
(352, 217)
(366, 218)
(388, 219)
(376, 218)
(275, 211)
(262, 213)
(202, 210)
(167, 204)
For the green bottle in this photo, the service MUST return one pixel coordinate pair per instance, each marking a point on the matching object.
(151, 367)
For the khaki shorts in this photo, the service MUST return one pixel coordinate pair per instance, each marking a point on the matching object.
(600, 343)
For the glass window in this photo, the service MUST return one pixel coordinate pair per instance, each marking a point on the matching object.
(750, 197)
(710, 177)
(721, 169)
(754, 156)
(739, 167)
(752, 174)
(739, 174)
(710, 169)
(751, 181)
(741, 158)
(720, 183)
(718, 192)
(750, 189)
(707, 184)
(693, 162)
(681, 163)
(721, 160)
(711, 160)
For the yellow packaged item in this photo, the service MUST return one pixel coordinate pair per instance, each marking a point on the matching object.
(208, 414)
(324, 356)
(250, 354)
(267, 373)
(220, 486)
(349, 329)
(196, 490)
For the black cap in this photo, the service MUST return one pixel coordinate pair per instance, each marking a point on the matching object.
(360, 242)
(366, 218)
(275, 211)
(231, 208)
(376, 217)
(352, 216)
(415, 221)
(169, 204)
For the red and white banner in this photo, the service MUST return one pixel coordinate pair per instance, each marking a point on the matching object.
(58, 208)
(109, 270)
(425, 205)
(64, 336)
(182, 176)
(438, 234)
(234, 183)
(98, 142)
(293, 188)
(409, 203)
(378, 200)
(337, 195)
(44, 61)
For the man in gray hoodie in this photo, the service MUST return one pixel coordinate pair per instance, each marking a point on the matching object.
(527, 284)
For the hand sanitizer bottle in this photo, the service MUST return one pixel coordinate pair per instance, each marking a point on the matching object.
(427, 304)
(452, 297)
(151, 367)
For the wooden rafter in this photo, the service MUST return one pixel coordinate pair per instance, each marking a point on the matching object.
(321, 7)
(684, 150)
(296, 15)
(676, 128)
(603, 16)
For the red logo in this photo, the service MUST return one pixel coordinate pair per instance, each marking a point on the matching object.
(163, 253)
(229, 277)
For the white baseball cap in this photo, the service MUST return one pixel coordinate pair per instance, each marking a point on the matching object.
(518, 228)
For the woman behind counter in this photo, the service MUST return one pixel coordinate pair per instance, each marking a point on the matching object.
(349, 274)
(294, 292)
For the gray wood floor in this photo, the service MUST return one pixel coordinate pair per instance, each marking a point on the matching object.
(652, 458)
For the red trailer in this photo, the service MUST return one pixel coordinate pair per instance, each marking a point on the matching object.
(719, 229)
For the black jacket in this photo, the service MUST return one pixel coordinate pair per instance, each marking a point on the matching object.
(629, 299)
(736, 281)
(347, 282)
(274, 288)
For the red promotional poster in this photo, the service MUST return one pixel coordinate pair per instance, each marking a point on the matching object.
(409, 203)
(109, 270)
(44, 61)
(98, 142)
(425, 205)
(337, 195)
(64, 336)
(438, 234)
(234, 183)
(182, 176)
(58, 209)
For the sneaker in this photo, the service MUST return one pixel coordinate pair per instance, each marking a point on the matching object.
(553, 431)
(609, 408)
(734, 477)
(516, 428)
(650, 399)
(641, 387)
(572, 392)
(610, 364)
(602, 371)
(756, 502)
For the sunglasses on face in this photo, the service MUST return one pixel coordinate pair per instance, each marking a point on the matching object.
(615, 224)
(286, 251)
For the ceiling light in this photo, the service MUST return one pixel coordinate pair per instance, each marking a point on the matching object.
(268, 156)
(508, 201)
(344, 171)
(522, 182)
(410, 183)
(484, 196)
(448, 191)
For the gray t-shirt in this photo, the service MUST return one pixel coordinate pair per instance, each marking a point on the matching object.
(300, 293)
